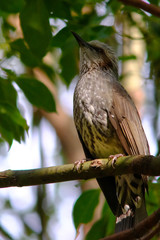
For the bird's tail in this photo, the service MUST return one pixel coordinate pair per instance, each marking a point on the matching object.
(131, 198)
(132, 209)
(131, 218)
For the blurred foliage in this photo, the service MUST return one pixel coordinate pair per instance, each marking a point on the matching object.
(41, 35)
(83, 212)
(104, 226)
(88, 200)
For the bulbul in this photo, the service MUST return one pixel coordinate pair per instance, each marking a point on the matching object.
(108, 123)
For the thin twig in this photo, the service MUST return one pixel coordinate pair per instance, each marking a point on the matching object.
(140, 231)
(148, 7)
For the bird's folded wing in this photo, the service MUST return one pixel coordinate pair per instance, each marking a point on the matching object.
(126, 121)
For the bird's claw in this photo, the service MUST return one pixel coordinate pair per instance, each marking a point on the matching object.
(78, 164)
(114, 158)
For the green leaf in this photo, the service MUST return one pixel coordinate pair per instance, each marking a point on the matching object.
(153, 197)
(14, 114)
(35, 25)
(77, 6)
(98, 230)
(109, 217)
(6, 134)
(128, 9)
(7, 92)
(12, 124)
(113, 6)
(37, 93)
(68, 63)
(101, 32)
(26, 55)
(59, 40)
(66, 42)
(104, 226)
(127, 57)
(11, 6)
(59, 8)
(84, 207)
(48, 70)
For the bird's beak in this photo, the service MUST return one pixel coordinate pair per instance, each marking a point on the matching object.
(80, 41)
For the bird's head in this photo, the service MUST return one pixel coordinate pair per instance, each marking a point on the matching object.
(96, 54)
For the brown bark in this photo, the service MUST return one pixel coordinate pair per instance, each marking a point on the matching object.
(142, 231)
(148, 7)
(143, 164)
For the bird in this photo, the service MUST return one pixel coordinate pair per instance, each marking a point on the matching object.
(108, 124)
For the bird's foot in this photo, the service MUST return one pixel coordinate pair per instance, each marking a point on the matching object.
(137, 201)
(127, 212)
(78, 164)
(114, 158)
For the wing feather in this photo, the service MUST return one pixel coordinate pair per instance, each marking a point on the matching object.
(126, 121)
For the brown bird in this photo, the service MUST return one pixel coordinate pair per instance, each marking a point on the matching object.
(108, 123)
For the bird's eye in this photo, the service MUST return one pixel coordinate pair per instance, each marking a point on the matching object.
(99, 50)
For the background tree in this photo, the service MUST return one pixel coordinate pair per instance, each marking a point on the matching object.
(39, 57)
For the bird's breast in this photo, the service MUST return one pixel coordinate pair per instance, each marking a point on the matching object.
(91, 103)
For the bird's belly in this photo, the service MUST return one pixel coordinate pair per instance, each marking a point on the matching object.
(101, 142)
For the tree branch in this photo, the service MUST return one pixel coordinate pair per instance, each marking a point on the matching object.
(147, 165)
(143, 230)
(148, 7)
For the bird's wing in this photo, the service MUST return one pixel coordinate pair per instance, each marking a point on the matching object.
(126, 121)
